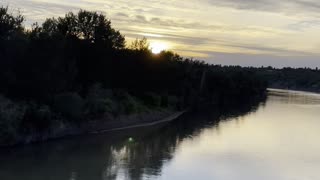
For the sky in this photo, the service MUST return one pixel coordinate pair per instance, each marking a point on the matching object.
(278, 33)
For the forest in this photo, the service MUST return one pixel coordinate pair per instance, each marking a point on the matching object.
(78, 68)
(304, 79)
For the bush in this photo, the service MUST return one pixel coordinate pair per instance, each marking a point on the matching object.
(164, 101)
(96, 91)
(37, 118)
(133, 105)
(97, 106)
(70, 105)
(11, 116)
(99, 101)
(173, 101)
(128, 104)
(152, 99)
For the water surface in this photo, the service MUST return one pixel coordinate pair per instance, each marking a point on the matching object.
(273, 140)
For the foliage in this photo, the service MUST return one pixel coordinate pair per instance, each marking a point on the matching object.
(37, 118)
(11, 115)
(132, 105)
(140, 45)
(292, 78)
(70, 105)
(99, 101)
(78, 67)
(10, 25)
(152, 99)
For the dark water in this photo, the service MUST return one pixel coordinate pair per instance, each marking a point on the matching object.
(273, 140)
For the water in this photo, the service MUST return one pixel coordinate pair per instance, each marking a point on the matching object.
(273, 140)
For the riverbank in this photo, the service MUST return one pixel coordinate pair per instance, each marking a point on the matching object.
(105, 124)
(295, 90)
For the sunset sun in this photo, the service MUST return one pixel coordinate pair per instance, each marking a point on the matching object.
(157, 47)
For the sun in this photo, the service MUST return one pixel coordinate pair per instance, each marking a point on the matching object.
(157, 47)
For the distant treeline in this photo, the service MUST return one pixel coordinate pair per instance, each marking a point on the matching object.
(78, 67)
(305, 79)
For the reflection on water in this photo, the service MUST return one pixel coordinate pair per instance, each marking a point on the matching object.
(273, 140)
(295, 97)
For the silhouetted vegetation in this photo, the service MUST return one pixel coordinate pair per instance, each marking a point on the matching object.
(77, 67)
(305, 79)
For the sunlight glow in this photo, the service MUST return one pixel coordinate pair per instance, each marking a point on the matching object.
(157, 47)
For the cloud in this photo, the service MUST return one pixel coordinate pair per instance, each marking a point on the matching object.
(290, 7)
(204, 28)
(122, 15)
(248, 4)
(304, 24)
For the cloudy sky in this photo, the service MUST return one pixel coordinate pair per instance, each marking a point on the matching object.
(233, 32)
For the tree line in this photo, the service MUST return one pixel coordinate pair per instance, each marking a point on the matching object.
(306, 79)
(78, 67)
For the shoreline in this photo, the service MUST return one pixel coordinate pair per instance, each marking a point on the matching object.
(295, 90)
(99, 126)
(153, 123)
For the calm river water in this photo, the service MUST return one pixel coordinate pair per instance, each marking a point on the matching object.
(278, 139)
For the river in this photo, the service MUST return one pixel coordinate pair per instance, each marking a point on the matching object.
(276, 139)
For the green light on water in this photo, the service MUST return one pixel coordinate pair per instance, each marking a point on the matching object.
(131, 139)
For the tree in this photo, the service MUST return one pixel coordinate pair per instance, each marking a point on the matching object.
(50, 26)
(140, 45)
(9, 25)
(67, 25)
(86, 25)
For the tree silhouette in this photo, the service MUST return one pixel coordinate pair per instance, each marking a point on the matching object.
(140, 45)
(9, 25)
(68, 56)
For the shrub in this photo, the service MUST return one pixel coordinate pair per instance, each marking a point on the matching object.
(99, 101)
(152, 99)
(127, 103)
(173, 101)
(97, 106)
(96, 91)
(38, 118)
(11, 115)
(70, 105)
(164, 101)
(133, 105)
